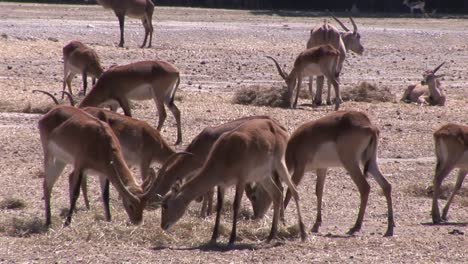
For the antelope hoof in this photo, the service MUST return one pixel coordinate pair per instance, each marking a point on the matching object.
(315, 228)
(353, 230)
(389, 232)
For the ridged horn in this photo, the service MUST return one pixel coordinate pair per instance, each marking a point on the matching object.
(70, 97)
(280, 70)
(438, 67)
(354, 25)
(49, 94)
(339, 22)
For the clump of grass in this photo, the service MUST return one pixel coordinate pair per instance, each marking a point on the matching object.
(261, 96)
(12, 203)
(25, 108)
(23, 227)
(428, 191)
(367, 92)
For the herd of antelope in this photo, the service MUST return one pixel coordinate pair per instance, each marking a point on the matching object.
(255, 154)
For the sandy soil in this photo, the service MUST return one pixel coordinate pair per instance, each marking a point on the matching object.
(219, 52)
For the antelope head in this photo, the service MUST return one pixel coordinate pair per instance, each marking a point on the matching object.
(430, 75)
(290, 79)
(352, 40)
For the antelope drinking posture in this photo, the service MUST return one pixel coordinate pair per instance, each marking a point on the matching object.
(79, 58)
(157, 80)
(319, 61)
(451, 149)
(342, 41)
(142, 9)
(428, 92)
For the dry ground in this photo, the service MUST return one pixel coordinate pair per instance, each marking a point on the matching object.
(219, 52)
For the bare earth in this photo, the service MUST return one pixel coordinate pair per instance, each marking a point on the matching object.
(218, 52)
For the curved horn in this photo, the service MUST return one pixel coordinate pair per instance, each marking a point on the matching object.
(70, 97)
(438, 67)
(354, 25)
(49, 94)
(339, 22)
(281, 72)
(161, 172)
(122, 185)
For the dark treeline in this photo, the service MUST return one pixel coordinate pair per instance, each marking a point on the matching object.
(451, 6)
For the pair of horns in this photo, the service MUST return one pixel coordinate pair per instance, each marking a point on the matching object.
(70, 97)
(355, 28)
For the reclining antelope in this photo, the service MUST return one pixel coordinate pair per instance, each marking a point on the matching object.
(451, 149)
(142, 9)
(157, 80)
(321, 61)
(89, 145)
(340, 139)
(428, 92)
(250, 153)
(79, 58)
(342, 41)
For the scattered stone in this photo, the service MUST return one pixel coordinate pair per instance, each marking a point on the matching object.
(53, 39)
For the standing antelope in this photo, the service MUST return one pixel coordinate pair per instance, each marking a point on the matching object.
(144, 80)
(451, 149)
(250, 153)
(89, 145)
(340, 139)
(342, 41)
(428, 92)
(142, 9)
(416, 5)
(79, 58)
(321, 60)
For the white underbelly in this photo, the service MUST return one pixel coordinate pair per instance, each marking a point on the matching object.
(326, 156)
(142, 92)
(312, 70)
(463, 162)
(60, 153)
(73, 69)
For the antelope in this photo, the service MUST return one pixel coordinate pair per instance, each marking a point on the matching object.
(343, 41)
(144, 80)
(416, 5)
(184, 167)
(248, 153)
(89, 145)
(79, 58)
(321, 60)
(428, 92)
(142, 145)
(142, 9)
(340, 139)
(451, 149)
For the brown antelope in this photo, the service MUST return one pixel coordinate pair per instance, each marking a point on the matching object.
(416, 5)
(428, 92)
(142, 9)
(250, 153)
(142, 145)
(342, 41)
(79, 58)
(157, 80)
(340, 139)
(89, 145)
(184, 167)
(451, 149)
(322, 61)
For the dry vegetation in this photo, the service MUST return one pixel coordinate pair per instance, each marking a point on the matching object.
(219, 53)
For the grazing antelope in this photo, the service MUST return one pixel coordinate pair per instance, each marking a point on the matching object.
(89, 145)
(144, 80)
(142, 9)
(79, 58)
(342, 41)
(428, 92)
(451, 149)
(250, 153)
(340, 139)
(184, 167)
(321, 60)
(416, 5)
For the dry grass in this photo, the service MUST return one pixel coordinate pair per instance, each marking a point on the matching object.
(427, 191)
(27, 108)
(12, 203)
(261, 96)
(367, 92)
(23, 226)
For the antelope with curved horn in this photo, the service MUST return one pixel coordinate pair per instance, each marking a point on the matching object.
(317, 61)
(79, 58)
(250, 153)
(142, 9)
(428, 92)
(98, 151)
(343, 41)
(451, 149)
(144, 80)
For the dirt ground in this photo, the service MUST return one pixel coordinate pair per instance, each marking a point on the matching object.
(219, 52)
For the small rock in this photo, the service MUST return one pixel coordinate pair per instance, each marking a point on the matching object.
(4, 35)
(199, 87)
(203, 62)
(189, 82)
(52, 39)
(456, 232)
(9, 67)
(90, 26)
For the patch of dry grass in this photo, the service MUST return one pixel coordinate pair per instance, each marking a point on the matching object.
(27, 108)
(12, 203)
(427, 191)
(23, 226)
(368, 92)
(261, 96)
